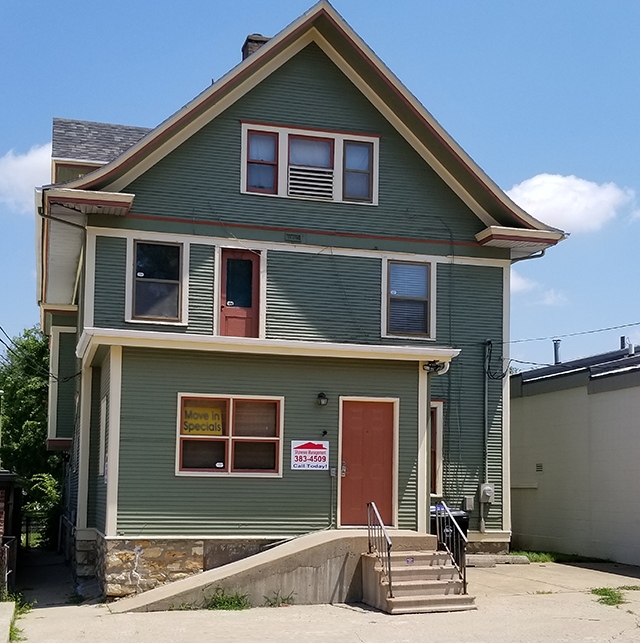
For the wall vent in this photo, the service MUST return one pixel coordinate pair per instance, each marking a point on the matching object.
(311, 182)
(539, 467)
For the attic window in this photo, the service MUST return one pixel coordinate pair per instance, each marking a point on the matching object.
(309, 164)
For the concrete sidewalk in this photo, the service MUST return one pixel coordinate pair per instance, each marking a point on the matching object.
(513, 606)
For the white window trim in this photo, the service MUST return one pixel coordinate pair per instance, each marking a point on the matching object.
(231, 474)
(337, 137)
(431, 337)
(184, 284)
(438, 405)
(103, 434)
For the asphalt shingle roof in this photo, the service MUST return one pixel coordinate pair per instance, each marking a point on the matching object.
(89, 141)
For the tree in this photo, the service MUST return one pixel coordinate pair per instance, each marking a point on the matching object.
(24, 378)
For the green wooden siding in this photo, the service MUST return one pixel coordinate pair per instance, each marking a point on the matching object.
(201, 289)
(323, 297)
(63, 319)
(110, 289)
(153, 500)
(478, 289)
(200, 180)
(68, 366)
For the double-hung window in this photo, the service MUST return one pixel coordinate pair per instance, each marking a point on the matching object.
(409, 298)
(358, 171)
(309, 164)
(262, 162)
(157, 281)
(229, 435)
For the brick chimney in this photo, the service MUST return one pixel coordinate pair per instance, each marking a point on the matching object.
(253, 43)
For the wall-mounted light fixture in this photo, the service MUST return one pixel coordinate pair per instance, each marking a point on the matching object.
(434, 366)
(323, 400)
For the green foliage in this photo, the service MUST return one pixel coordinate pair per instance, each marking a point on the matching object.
(24, 377)
(21, 608)
(278, 599)
(613, 595)
(15, 633)
(608, 595)
(223, 600)
(554, 557)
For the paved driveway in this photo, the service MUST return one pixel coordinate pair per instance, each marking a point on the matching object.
(514, 605)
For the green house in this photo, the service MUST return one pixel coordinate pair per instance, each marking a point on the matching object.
(275, 307)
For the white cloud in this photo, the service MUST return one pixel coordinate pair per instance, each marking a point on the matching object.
(570, 203)
(552, 297)
(20, 174)
(537, 296)
(520, 283)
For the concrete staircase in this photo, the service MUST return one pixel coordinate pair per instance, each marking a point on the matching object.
(422, 581)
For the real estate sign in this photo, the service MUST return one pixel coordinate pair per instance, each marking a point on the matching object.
(309, 455)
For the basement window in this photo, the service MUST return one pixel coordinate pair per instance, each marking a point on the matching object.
(309, 164)
(220, 435)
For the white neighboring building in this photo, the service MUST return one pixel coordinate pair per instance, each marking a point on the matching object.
(575, 457)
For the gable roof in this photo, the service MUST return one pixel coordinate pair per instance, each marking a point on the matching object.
(92, 142)
(323, 25)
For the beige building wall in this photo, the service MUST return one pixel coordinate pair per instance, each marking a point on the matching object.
(575, 463)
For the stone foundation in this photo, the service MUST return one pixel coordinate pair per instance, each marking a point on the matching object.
(130, 566)
(85, 560)
(487, 548)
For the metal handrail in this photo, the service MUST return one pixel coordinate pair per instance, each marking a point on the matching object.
(379, 542)
(453, 540)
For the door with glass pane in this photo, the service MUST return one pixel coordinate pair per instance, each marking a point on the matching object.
(240, 293)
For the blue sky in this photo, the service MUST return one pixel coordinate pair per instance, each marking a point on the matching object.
(542, 94)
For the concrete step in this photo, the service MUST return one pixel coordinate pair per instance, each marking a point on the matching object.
(424, 572)
(402, 558)
(426, 588)
(424, 604)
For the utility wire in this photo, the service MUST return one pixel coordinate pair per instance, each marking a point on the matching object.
(582, 332)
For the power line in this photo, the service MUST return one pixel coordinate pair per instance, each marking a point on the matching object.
(582, 332)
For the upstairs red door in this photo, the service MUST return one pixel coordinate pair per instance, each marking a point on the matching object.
(240, 293)
(367, 461)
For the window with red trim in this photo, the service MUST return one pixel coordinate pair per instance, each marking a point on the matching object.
(229, 435)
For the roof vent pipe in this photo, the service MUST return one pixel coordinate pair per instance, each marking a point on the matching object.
(556, 351)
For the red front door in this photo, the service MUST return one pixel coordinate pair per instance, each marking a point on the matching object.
(367, 461)
(240, 293)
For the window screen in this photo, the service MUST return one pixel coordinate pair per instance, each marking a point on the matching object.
(408, 311)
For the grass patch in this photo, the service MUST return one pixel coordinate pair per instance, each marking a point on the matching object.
(608, 595)
(279, 600)
(15, 633)
(630, 588)
(21, 608)
(223, 600)
(543, 591)
(555, 557)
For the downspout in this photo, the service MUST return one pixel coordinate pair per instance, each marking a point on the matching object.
(485, 441)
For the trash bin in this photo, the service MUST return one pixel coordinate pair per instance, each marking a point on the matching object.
(450, 540)
(462, 518)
